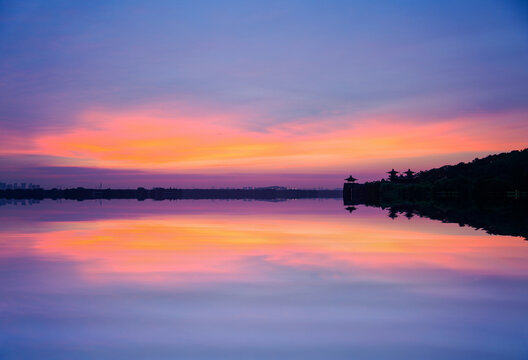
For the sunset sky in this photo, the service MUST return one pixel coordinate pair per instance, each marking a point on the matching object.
(251, 93)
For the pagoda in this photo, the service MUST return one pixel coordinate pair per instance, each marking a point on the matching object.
(350, 179)
(409, 173)
(393, 175)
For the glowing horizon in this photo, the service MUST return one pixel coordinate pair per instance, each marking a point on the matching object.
(190, 144)
(223, 96)
(214, 247)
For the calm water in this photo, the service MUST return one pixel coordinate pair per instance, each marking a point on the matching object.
(301, 279)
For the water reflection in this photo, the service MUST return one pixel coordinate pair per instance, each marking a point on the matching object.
(217, 279)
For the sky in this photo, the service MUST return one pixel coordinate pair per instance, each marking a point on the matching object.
(254, 93)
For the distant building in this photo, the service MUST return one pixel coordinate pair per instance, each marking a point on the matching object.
(18, 186)
(393, 175)
(409, 174)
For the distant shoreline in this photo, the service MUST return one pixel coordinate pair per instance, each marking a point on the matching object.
(271, 193)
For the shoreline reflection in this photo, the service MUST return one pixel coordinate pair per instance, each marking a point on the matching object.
(231, 278)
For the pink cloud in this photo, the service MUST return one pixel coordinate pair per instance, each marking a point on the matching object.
(203, 141)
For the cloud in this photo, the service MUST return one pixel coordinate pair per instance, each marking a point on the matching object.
(237, 87)
(279, 63)
(212, 143)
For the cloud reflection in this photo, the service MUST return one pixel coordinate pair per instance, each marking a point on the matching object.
(214, 247)
(299, 279)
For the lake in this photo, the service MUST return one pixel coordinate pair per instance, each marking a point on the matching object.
(297, 279)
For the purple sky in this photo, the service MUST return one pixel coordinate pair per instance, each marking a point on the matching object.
(246, 93)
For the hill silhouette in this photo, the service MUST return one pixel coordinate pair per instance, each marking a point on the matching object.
(488, 193)
(495, 176)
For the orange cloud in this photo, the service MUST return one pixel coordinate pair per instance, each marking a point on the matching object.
(212, 247)
(188, 142)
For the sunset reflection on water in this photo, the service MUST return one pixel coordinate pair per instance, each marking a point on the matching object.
(237, 279)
